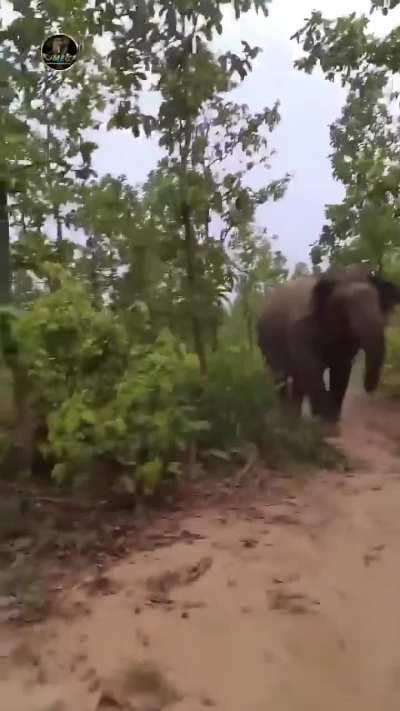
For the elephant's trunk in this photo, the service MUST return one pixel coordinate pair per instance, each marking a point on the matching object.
(374, 348)
(367, 323)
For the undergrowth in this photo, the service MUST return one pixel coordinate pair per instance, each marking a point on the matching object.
(104, 407)
(390, 382)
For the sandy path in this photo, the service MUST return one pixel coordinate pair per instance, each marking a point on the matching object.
(288, 606)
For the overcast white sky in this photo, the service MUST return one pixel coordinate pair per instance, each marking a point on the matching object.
(308, 105)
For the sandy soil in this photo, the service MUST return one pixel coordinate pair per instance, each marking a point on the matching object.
(288, 603)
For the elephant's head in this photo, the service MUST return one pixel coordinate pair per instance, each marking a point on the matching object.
(353, 305)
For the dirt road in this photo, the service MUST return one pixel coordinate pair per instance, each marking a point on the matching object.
(290, 604)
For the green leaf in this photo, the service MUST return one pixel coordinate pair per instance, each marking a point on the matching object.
(86, 149)
(199, 426)
(60, 473)
(149, 475)
(127, 484)
(218, 454)
(175, 468)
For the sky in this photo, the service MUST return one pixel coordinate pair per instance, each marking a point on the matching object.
(309, 104)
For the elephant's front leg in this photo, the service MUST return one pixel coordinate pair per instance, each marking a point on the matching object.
(321, 402)
(309, 369)
(339, 376)
(310, 383)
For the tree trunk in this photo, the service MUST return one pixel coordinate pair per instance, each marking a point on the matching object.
(59, 223)
(190, 238)
(250, 331)
(214, 336)
(190, 247)
(91, 244)
(23, 429)
(249, 322)
(5, 262)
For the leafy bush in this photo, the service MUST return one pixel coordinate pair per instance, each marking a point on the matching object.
(241, 404)
(133, 411)
(390, 382)
(297, 445)
(145, 427)
(104, 400)
(237, 397)
(66, 344)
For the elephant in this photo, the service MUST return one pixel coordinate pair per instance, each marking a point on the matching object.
(318, 323)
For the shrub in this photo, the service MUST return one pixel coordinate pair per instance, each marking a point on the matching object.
(238, 396)
(132, 411)
(65, 344)
(241, 404)
(297, 445)
(103, 400)
(145, 427)
(390, 381)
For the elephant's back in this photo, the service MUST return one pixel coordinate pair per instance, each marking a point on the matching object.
(284, 304)
(289, 301)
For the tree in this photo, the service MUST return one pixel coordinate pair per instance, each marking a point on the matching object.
(365, 157)
(165, 43)
(200, 130)
(45, 120)
(221, 206)
(172, 222)
(301, 269)
(258, 269)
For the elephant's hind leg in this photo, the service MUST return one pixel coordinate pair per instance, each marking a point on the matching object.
(297, 398)
(282, 387)
(291, 396)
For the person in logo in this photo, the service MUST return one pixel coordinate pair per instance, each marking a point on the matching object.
(60, 45)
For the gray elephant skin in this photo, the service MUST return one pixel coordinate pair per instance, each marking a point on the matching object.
(313, 324)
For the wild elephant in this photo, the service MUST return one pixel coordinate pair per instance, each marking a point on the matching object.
(312, 324)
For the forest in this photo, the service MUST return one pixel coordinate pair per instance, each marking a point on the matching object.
(128, 312)
(170, 538)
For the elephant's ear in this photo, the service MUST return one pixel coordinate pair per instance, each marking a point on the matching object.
(388, 293)
(321, 293)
